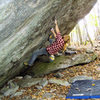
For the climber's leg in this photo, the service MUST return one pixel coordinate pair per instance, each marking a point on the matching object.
(36, 54)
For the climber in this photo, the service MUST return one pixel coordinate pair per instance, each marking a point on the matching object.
(59, 44)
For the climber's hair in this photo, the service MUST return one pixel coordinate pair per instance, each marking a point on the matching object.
(66, 38)
(66, 41)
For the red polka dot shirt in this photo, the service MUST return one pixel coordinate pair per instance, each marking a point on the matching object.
(55, 46)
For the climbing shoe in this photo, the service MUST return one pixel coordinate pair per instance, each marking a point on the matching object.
(25, 63)
(58, 54)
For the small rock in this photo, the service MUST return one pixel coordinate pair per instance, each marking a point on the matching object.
(9, 90)
(11, 84)
(4, 89)
(17, 94)
(27, 77)
(19, 77)
(47, 95)
(22, 90)
(37, 92)
(44, 82)
(73, 79)
(61, 96)
(58, 75)
(52, 90)
(29, 82)
(59, 82)
(73, 48)
(39, 87)
(27, 98)
(89, 51)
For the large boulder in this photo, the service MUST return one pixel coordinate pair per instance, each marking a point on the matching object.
(25, 25)
(62, 62)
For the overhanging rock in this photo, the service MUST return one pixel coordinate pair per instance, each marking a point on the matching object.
(25, 25)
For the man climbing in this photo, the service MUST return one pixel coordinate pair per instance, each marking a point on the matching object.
(59, 44)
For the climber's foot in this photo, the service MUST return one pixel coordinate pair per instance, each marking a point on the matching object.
(26, 64)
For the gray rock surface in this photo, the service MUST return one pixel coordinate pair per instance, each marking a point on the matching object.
(6, 90)
(73, 48)
(11, 84)
(59, 82)
(61, 62)
(58, 75)
(25, 25)
(37, 92)
(29, 82)
(44, 82)
(73, 79)
(89, 51)
(61, 96)
(27, 77)
(39, 87)
(16, 94)
(27, 98)
(19, 77)
(47, 95)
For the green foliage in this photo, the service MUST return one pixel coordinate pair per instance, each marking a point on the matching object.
(81, 31)
(93, 20)
(85, 42)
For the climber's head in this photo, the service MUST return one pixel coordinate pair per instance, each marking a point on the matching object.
(66, 38)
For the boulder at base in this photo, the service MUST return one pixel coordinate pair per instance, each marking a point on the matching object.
(42, 68)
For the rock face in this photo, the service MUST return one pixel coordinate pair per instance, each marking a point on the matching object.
(61, 62)
(25, 25)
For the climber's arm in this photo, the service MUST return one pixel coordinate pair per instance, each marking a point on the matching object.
(56, 27)
(52, 30)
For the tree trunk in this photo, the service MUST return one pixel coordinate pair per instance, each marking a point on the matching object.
(85, 24)
(79, 33)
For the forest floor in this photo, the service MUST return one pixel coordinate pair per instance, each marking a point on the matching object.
(59, 92)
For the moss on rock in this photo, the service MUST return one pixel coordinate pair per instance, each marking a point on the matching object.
(42, 68)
